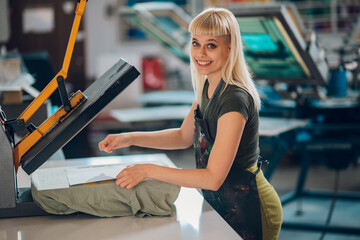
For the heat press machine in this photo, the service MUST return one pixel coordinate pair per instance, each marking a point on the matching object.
(41, 142)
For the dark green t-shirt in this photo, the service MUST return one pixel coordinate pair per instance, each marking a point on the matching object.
(234, 99)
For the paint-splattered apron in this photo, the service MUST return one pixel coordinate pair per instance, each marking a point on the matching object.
(237, 200)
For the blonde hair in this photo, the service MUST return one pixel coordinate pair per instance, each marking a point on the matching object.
(218, 22)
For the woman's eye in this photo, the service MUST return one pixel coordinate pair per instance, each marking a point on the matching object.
(211, 46)
(195, 44)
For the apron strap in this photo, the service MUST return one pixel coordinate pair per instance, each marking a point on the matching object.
(260, 163)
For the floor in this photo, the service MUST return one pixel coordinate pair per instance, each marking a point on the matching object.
(284, 179)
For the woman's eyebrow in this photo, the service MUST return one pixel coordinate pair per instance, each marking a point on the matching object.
(209, 40)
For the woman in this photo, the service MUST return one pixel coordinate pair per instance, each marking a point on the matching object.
(226, 118)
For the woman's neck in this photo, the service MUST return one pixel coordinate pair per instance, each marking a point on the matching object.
(213, 83)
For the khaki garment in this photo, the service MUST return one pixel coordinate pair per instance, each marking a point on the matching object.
(271, 209)
(149, 198)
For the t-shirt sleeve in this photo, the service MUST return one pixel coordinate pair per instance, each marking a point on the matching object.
(237, 100)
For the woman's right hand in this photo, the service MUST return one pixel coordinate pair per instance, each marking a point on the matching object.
(115, 141)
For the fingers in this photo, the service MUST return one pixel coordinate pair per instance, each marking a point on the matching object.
(124, 183)
(102, 146)
(106, 145)
(128, 178)
(113, 141)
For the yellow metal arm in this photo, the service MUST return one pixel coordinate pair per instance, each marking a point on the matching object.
(51, 87)
(30, 139)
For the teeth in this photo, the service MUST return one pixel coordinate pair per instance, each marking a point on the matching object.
(204, 63)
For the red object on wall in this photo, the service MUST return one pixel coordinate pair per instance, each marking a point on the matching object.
(153, 76)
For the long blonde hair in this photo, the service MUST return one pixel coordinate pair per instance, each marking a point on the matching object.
(217, 22)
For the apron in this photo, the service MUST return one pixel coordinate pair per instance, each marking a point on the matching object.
(237, 200)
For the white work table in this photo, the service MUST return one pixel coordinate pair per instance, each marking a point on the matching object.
(268, 126)
(192, 218)
(272, 127)
(160, 113)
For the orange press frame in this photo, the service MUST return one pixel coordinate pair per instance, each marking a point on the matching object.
(30, 139)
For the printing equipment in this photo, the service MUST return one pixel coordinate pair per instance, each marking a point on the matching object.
(290, 55)
(42, 142)
(277, 47)
(164, 22)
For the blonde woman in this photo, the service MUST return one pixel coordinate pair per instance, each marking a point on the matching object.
(225, 114)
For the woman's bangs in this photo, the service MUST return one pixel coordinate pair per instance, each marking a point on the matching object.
(209, 25)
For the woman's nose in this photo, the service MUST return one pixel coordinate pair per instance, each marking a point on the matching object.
(202, 52)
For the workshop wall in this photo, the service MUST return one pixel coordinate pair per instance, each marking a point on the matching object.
(107, 42)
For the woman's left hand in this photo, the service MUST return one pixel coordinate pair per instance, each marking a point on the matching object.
(132, 175)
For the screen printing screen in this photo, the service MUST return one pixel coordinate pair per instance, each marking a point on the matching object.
(173, 28)
(267, 51)
(177, 33)
(164, 27)
(273, 47)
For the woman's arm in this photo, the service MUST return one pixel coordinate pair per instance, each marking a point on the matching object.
(229, 131)
(176, 138)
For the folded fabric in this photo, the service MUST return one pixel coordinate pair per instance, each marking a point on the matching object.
(149, 198)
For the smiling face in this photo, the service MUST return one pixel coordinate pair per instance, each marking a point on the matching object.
(209, 54)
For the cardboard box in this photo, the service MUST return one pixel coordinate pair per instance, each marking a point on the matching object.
(11, 97)
(10, 92)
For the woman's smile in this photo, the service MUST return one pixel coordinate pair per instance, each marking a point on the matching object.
(203, 63)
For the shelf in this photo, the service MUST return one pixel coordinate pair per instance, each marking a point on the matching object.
(325, 16)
